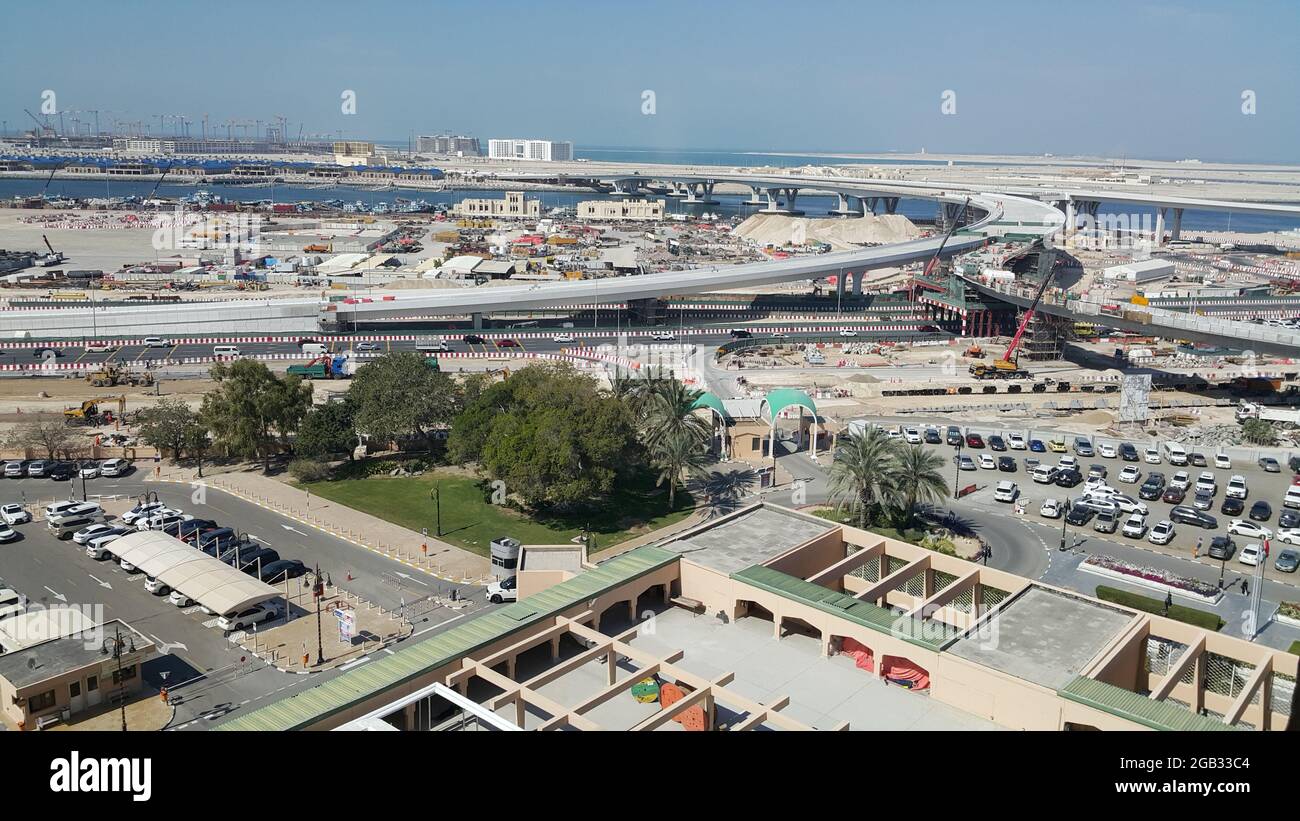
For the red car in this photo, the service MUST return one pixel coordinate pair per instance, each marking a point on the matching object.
(974, 440)
(1174, 495)
(507, 343)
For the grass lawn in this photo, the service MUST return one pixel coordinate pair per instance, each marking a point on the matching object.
(1147, 604)
(471, 521)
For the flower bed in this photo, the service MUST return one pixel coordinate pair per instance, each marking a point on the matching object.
(1151, 577)
(1288, 612)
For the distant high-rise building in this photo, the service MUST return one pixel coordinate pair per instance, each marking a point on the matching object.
(544, 150)
(449, 144)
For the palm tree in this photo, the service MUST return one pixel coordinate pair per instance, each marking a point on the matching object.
(917, 479)
(629, 386)
(669, 412)
(675, 454)
(861, 477)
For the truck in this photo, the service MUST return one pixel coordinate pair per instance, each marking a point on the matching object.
(324, 367)
(998, 369)
(1251, 410)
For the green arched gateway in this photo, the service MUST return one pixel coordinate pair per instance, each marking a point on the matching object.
(708, 400)
(782, 398)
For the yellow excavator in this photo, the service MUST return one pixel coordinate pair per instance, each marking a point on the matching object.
(111, 375)
(88, 413)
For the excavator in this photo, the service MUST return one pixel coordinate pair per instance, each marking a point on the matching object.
(1006, 367)
(111, 375)
(88, 412)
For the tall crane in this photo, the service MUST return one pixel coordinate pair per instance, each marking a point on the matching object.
(952, 229)
(1046, 267)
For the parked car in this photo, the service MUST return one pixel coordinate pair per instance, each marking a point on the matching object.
(1051, 509)
(83, 536)
(15, 514)
(1045, 474)
(1222, 461)
(1037, 446)
(932, 436)
(1261, 511)
(997, 442)
(954, 435)
(1288, 518)
(1205, 483)
(1107, 521)
(7, 533)
(1106, 450)
(1135, 526)
(1162, 533)
(1127, 504)
(115, 467)
(281, 570)
(1015, 441)
(1080, 515)
(974, 440)
(1174, 495)
(1083, 447)
(1007, 464)
(155, 586)
(1056, 445)
(503, 591)
(73, 511)
(62, 471)
(1192, 516)
(1068, 478)
(1152, 488)
(88, 470)
(1127, 452)
(986, 462)
(1181, 480)
(1287, 561)
(1269, 464)
(246, 618)
(1129, 474)
(1203, 501)
(180, 599)
(36, 469)
(1237, 487)
(1096, 471)
(141, 511)
(1006, 492)
(1151, 455)
(1240, 527)
(1249, 554)
(97, 548)
(1222, 547)
(964, 462)
(912, 436)
(16, 469)
(1196, 459)
(1232, 507)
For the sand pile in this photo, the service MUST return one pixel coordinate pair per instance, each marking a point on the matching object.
(841, 234)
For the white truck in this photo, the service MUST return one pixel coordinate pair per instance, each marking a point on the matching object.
(1252, 410)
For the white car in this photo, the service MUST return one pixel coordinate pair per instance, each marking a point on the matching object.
(1051, 509)
(160, 521)
(1015, 441)
(1098, 489)
(127, 566)
(1006, 492)
(247, 618)
(562, 338)
(986, 462)
(7, 533)
(83, 536)
(1249, 554)
(57, 508)
(100, 347)
(1127, 504)
(76, 511)
(912, 436)
(1068, 463)
(89, 470)
(1129, 474)
(1106, 450)
(1162, 533)
(1045, 474)
(114, 467)
(156, 342)
(1288, 535)
(1237, 488)
(1135, 527)
(155, 586)
(15, 514)
(180, 599)
(1151, 455)
(141, 511)
(1096, 483)
(1222, 461)
(664, 337)
(1244, 527)
(97, 548)
(1181, 480)
(848, 332)
(503, 591)
(1205, 483)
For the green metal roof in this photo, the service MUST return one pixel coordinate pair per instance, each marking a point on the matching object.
(1158, 715)
(708, 400)
(782, 398)
(923, 633)
(304, 709)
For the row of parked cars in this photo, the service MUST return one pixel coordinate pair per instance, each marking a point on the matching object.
(63, 471)
(84, 524)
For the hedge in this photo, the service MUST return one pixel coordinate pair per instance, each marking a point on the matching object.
(1178, 612)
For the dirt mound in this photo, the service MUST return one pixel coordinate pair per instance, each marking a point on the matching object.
(840, 234)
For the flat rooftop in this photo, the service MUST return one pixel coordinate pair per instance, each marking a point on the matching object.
(1044, 636)
(748, 539)
(57, 656)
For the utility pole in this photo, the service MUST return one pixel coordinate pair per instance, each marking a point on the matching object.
(318, 591)
(115, 646)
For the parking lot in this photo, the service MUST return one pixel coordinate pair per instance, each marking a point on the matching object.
(1261, 485)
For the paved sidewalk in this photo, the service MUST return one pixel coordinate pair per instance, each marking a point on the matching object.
(443, 560)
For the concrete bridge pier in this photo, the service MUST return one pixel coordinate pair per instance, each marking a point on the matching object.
(1158, 236)
(774, 201)
(857, 282)
(755, 197)
(644, 311)
(791, 194)
(849, 206)
(700, 193)
(675, 190)
(891, 205)
(477, 320)
(1176, 232)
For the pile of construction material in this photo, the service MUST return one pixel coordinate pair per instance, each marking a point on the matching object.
(841, 234)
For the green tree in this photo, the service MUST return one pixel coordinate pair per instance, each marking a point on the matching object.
(861, 477)
(551, 435)
(197, 443)
(169, 426)
(252, 410)
(1258, 432)
(918, 479)
(397, 396)
(668, 413)
(677, 456)
(327, 430)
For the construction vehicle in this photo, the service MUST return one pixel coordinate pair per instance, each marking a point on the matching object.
(324, 367)
(1007, 367)
(431, 362)
(974, 352)
(111, 374)
(952, 229)
(53, 257)
(88, 412)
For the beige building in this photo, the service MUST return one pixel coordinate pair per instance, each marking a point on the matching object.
(621, 209)
(53, 680)
(514, 206)
(827, 627)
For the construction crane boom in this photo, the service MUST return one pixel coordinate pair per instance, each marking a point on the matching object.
(161, 177)
(952, 229)
(1047, 268)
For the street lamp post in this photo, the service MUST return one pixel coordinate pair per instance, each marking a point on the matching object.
(318, 592)
(956, 475)
(115, 647)
(1065, 519)
(435, 493)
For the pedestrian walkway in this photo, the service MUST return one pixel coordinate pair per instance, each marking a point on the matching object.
(425, 553)
(147, 713)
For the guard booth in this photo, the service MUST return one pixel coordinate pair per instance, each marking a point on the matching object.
(505, 558)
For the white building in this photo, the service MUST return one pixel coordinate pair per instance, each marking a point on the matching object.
(543, 150)
(514, 205)
(621, 210)
(1145, 271)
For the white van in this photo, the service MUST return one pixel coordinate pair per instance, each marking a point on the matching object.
(114, 467)
(311, 349)
(1175, 454)
(1006, 492)
(1045, 474)
(1292, 498)
(225, 350)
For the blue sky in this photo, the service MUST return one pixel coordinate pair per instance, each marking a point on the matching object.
(1138, 79)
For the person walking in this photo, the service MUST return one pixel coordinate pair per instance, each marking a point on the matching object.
(1199, 542)
(1169, 602)
(1245, 587)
